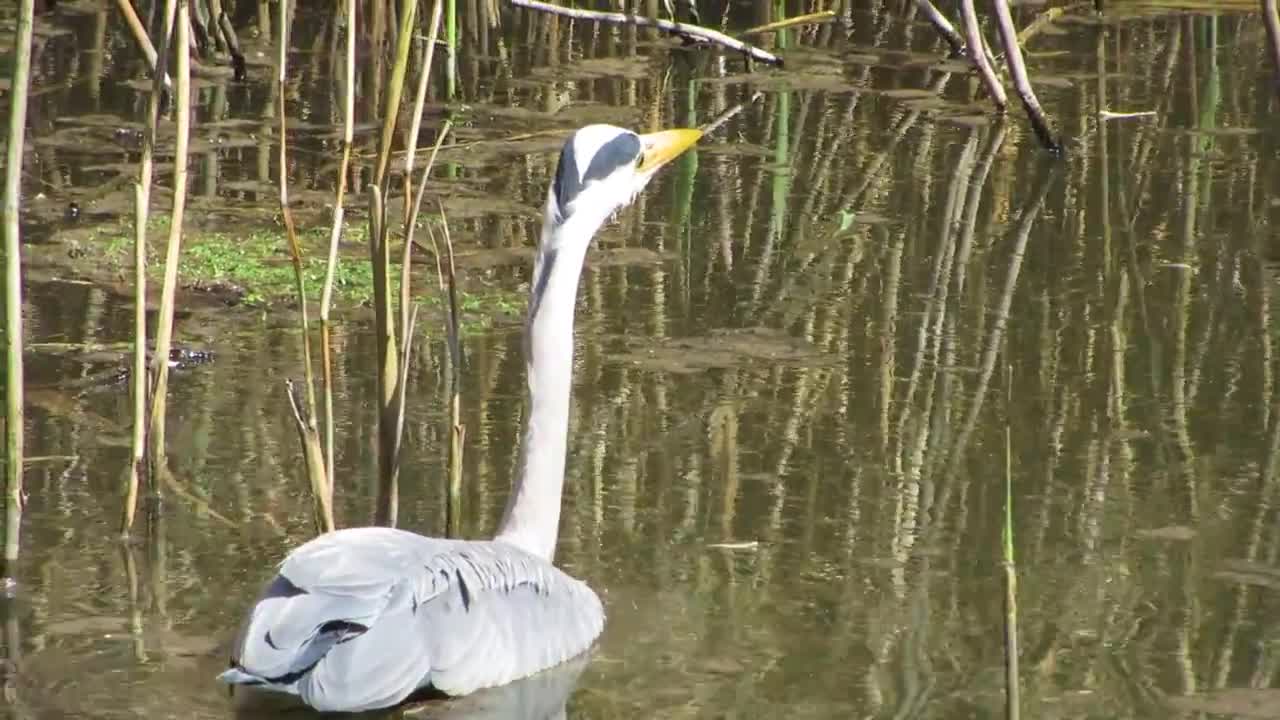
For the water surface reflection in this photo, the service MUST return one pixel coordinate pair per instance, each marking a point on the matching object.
(811, 335)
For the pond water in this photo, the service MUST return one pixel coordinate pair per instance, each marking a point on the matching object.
(807, 356)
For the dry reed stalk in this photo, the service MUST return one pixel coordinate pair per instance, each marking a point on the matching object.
(164, 327)
(13, 387)
(140, 381)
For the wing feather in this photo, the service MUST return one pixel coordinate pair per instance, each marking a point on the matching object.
(361, 618)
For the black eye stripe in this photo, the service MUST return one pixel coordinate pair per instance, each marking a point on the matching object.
(622, 150)
(618, 152)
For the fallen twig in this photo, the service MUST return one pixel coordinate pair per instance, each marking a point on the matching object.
(942, 25)
(748, 545)
(978, 53)
(810, 19)
(692, 32)
(1105, 115)
(1021, 80)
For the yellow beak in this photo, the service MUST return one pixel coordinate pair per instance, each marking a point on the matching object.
(662, 147)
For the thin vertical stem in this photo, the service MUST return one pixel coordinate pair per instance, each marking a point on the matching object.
(404, 37)
(419, 102)
(318, 480)
(457, 431)
(140, 381)
(13, 387)
(164, 329)
(451, 38)
(335, 233)
(1012, 689)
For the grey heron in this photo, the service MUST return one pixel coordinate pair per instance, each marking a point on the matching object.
(361, 618)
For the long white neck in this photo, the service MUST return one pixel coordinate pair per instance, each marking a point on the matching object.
(532, 517)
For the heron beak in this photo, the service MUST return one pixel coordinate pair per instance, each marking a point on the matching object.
(662, 147)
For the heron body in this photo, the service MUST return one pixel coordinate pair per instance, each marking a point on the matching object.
(361, 618)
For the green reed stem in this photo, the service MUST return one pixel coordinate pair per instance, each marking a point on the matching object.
(451, 39)
(780, 14)
(395, 90)
(387, 504)
(13, 386)
(1012, 691)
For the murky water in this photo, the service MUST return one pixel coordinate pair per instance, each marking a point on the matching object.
(818, 340)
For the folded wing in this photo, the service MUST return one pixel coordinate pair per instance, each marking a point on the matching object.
(361, 618)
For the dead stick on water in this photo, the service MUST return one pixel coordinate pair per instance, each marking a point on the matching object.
(149, 51)
(693, 32)
(1021, 80)
(942, 25)
(140, 36)
(978, 53)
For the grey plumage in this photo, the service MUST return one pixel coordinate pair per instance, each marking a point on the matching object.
(360, 618)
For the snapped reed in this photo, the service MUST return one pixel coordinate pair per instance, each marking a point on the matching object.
(304, 417)
(448, 279)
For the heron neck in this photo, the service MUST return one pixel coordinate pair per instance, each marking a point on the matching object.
(532, 517)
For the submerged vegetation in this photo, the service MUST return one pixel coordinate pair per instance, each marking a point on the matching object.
(252, 268)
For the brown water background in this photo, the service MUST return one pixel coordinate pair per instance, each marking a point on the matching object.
(810, 337)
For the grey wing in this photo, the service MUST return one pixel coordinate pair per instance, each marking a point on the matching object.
(509, 614)
(360, 618)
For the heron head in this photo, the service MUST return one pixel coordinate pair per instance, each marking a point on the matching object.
(601, 170)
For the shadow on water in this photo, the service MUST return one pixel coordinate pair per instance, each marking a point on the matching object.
(799, 352)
